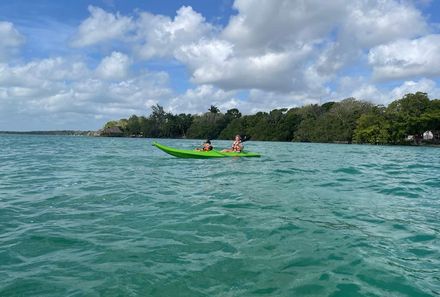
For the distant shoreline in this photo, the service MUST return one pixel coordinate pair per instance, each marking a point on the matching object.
(52, 132)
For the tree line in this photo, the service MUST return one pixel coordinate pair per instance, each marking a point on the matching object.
(347, 121)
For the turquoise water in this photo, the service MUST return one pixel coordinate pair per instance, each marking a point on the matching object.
(117, 217)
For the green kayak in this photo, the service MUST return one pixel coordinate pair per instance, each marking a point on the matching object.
(201, 154)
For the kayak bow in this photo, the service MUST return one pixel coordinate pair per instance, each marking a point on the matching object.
(180, 153)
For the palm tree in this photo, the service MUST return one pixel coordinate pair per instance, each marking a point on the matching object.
(214, 109)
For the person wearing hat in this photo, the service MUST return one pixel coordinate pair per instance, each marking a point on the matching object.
(206, 146)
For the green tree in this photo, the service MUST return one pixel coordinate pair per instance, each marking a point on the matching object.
(236, 126)
(209, 125)
(111, 124)
(133, 125)
(372, 128)
(404, 115)
(184, 121)
(146, 126)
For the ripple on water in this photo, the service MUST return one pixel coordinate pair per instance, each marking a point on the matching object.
(116, 217)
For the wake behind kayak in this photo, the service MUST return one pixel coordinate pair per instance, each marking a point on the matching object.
(181, 153)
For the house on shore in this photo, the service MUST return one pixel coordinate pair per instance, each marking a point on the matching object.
(111, 132)
(427, 137)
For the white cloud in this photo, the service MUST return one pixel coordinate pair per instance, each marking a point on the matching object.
(264, 101)
(10, 36)
(370, 23)
(277, 45)
(37, 74)
(49, 88)
(201, 98)
(101, 26)
(422, 85)
(160, 36)
(295, 46)
(115, 66)
(275, 24)
(11, 40)
(218, 62)
(406, 58)
(360, 88)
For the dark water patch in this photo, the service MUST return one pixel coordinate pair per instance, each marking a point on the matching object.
(421, 238)
(421, 252)
(433, 183)
(389, 284)
(35, 287)
(348, 170)
(309, 290)
(293, 170)
(399, 191)
(330, 184)
(346, 290)
(400, 227)
(266, 291)
(301, 263)
(422, 166)
(239, 205)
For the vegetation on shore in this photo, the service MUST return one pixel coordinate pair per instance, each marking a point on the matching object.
(347, 121)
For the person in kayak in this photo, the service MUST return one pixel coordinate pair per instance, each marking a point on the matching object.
(237, 145)
(206, 146)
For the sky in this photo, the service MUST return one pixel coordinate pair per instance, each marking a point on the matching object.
(78, 64)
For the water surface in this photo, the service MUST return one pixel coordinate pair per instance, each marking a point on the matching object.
(116, 217)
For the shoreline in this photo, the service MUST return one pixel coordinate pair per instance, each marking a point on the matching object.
(79, 133)
(51, 132)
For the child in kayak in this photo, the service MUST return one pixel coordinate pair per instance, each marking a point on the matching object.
(237, 145)
(206, 146)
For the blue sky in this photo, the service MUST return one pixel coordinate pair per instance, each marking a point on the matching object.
(77, 64)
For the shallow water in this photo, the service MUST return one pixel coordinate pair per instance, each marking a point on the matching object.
(117, 217)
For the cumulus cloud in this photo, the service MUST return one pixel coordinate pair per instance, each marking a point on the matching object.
(101, 26)
(201, 98)
(53, 87)
(11, 40)
(371, 23)
(264, 101)
(406, 58)
(275, 24)
(115, 66)
(424, 85)
(37, 74)
(217, 62)
(362, 89)
(276, 46)
(161, 36)
(296, 46)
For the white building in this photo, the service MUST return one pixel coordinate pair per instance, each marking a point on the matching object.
(428, 135)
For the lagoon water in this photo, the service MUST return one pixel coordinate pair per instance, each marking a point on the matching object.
(116, 217)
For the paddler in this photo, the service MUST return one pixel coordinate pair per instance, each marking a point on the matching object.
(237, 145)
(206, 146)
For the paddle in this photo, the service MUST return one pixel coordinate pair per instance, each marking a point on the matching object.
(245, 138)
